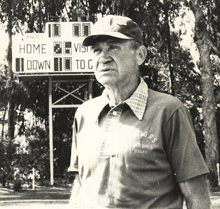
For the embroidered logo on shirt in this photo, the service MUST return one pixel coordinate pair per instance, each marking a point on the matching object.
(148, 136)
(146, 143)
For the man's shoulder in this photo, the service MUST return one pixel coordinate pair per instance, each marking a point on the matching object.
(162, 106)
(92, 105)
(93, 101)
(163, 100)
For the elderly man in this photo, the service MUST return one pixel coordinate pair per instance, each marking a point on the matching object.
(132, 147)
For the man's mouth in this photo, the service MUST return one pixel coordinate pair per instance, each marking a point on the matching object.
(105, 70)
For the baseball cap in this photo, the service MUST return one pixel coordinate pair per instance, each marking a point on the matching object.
(115, 26)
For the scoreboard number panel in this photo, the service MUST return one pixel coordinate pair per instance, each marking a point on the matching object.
(59, 49)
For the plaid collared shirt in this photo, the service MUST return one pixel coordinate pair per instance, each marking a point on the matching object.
(137, 102)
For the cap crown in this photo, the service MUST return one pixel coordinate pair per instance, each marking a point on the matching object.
(115, 26)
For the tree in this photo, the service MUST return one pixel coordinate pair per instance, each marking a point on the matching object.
(34, 153)
(204, 43)
(10, 90)
(16, 14)
(166, 59)
(4, 95)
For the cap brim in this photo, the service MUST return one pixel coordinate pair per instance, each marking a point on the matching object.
(89, 39)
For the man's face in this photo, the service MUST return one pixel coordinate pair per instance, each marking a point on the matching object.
(115, 62)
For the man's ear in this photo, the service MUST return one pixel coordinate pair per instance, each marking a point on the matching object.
(141, 54)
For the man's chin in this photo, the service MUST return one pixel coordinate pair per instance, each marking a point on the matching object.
(106, 80)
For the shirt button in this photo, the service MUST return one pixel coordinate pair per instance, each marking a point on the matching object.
(114, 113)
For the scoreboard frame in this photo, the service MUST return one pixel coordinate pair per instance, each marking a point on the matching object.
(58, 50)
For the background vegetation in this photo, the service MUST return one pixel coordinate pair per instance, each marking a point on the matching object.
(169, 67)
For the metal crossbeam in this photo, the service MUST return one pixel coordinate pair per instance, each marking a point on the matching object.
(70, 94)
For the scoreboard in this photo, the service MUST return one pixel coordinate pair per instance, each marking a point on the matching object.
(58, 50)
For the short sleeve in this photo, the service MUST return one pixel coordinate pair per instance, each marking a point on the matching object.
(181, 146)
(74, 158)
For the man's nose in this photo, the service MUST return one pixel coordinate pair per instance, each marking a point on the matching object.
(104, 57)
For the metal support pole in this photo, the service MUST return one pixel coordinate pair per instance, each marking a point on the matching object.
(90, 88)
(51, 132)
(33, 180)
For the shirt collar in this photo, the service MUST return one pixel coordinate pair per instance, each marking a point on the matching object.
(138, 100)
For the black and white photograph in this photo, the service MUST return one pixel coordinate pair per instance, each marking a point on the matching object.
(110, 104)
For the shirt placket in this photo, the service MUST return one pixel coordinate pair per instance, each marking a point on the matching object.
(108, 149)
(112, 120)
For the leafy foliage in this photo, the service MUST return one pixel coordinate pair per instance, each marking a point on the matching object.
(33, 152)
(165, 56)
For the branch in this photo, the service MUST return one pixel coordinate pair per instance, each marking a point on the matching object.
(200, 26)
(83, 4)
(65, 7)
(199, 17)
(217, 95)
(215, 49)
(17, 23)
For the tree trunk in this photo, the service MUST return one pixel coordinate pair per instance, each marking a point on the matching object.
(3, 122)
(9, 57)
(169, 46)
(208, 105)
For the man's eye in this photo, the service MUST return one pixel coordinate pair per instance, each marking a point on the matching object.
(113, 46)
(96, 51)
